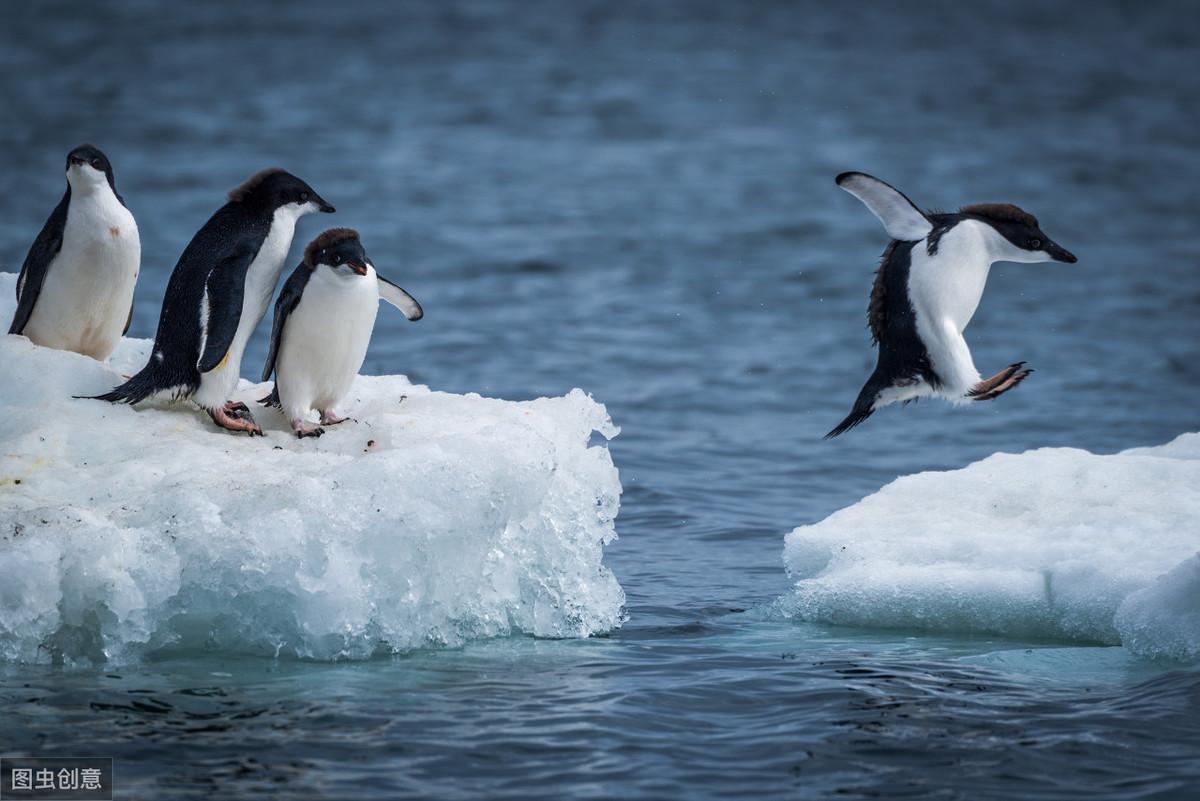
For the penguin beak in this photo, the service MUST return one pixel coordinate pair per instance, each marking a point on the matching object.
(1060, 254)
(324, 207)
(358, 267)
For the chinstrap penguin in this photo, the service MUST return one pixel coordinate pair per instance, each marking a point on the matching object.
(928, 286)
(75, 290)
(323, 322)
(218, 294)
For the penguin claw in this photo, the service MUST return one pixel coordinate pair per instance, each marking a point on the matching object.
(989, 384)
(303, 429)
(1000, 383)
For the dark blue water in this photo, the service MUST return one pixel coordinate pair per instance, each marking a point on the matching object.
(637, 199)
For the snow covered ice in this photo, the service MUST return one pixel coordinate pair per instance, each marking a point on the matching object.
(1057, 542)
(434, 520)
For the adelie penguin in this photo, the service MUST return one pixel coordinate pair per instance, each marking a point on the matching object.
(323, 323)
(75, 291)
(926, 291)
(218, 294)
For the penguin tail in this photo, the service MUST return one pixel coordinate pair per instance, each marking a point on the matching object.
(272, 400)
(864, 407)
(151, 379)
(856, 416)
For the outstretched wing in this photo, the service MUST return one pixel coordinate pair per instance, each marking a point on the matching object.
(223, 292)
(403, 301)
(37, 263)
(900, 217)
(289, 299)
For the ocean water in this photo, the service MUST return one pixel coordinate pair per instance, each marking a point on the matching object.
(638, 199)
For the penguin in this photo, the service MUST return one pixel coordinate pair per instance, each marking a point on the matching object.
(218, 294)
(75, 290)
(323, 322)
(926, 290)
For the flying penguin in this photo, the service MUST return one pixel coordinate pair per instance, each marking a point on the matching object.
(323, 322)
(927, 288)
(218, 293)
(75, 291)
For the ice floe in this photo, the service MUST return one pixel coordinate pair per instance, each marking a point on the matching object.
(1057, 543)
(434, 519)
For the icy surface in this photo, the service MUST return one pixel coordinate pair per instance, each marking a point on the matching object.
(1056, 543)
(434, 520)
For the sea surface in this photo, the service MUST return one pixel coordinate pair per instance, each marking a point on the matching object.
(638, 199)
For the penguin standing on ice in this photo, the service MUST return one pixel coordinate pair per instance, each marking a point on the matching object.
(323, 322)
(75, 291)
(218, 293)
(927, 288)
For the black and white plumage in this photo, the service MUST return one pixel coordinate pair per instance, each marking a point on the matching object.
(323, 322)
(927, 288)
(75, 291)
(217, 295)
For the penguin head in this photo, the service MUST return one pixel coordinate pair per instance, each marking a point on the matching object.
(339, 250)
(274, 189)
(88, 167)
(1018, 236)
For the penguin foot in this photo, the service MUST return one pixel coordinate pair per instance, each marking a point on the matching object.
(330, 419)
(234, 419)
(303, 429)
(1000, 383)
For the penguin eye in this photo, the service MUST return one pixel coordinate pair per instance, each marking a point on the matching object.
(303, 197)
(1034, 244)
(96, 163)
(337, 259)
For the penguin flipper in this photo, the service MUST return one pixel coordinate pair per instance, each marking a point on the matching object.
(403, 301)
(289, 299)
(224, 290)
(899, 215)
(37, 264)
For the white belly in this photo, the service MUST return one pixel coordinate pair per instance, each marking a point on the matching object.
(949, 285)
(217, 385)
(325, 341)
(87, 293)
(945, 290)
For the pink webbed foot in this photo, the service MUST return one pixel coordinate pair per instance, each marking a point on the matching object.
(328, 418)
(1000, 383)
(303, 429)
(236, 417)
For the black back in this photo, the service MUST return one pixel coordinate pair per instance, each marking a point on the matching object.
(233, 235)
(230, 239)
(902, 355)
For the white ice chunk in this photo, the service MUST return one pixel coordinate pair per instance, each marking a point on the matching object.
(1048, 543)
(1163, 619)
(432, 520)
